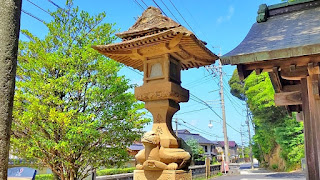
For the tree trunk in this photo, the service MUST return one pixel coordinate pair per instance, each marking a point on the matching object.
(10, 11)
(55, 176)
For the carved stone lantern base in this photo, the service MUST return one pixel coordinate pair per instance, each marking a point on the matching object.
(162, 175)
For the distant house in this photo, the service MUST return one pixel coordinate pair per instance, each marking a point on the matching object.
(233, 149)
(135, 148)
(209, 147)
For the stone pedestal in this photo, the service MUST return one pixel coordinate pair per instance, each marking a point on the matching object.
(162, 175)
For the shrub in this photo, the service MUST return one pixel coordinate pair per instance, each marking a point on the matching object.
(115, 171)
(44, 177)
(274, 166)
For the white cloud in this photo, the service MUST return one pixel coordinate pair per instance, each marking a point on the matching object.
(227, 17)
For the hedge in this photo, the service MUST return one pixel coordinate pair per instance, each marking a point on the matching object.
(115, 171)
(102, 172)
(44, 177)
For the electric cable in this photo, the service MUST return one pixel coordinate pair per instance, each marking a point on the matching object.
(35, 17)
(39, 7)
(182, 16)
(159, 7)
(170, 11)
(139, 4)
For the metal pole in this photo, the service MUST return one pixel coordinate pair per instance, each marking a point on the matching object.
(176, 121)
(226, 142)
(242, 144)
(250, 144)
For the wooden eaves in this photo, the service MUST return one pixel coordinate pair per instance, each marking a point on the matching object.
(286, 44)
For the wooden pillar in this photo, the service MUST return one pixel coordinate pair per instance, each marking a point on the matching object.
(311, 109)
(308, 140)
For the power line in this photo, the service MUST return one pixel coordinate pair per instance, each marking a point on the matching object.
(55, 4)
(159, 7)
(206, 104)
(182, 16)
(35, 17)
(170, 11)
(139, 4)
(229, 90)
(197, 110)
(202, 131)
(232, 102)
(144, 3)
(39, 7)
(134, 70)
(198, 130)
(234, 106)
(197, 80)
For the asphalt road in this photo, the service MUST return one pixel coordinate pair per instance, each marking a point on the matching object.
(260, 174)
(248, 166)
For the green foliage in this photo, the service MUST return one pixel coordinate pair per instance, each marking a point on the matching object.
(196, 150)
(115, 171)
(103, 172)
(213, 176)
(237, 86)
(291, 140)
(72, 112)
(44, 177)
(272, 125)
(274, 166)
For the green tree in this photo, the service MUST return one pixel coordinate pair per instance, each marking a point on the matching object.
(272, 124)
(196, 150)
(72, 111)
(237, 86)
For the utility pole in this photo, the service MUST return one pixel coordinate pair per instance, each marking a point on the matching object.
(176, 121)
(242, 143)
(10, 11)
(250, 144)
(226, 142)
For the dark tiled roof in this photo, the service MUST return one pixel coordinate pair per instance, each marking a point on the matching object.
(281, 36)
(136, 147)
(186, 135)
(231, 143)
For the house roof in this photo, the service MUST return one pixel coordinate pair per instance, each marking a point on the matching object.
(231, 143)
(154, 34)
(136, 147)
(186, 135)
(282, 31)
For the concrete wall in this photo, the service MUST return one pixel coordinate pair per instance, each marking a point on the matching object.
(197, 171)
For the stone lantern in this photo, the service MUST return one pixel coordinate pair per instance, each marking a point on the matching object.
(161, 48)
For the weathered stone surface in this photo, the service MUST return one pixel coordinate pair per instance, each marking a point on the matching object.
(162, 175)
(150, 20)
(161, 48)
(166, 90)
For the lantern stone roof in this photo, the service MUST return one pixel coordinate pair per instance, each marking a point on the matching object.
(154, 34)
(282, 31)
(151, 21)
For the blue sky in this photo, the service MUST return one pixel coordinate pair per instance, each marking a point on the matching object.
(223, 24)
